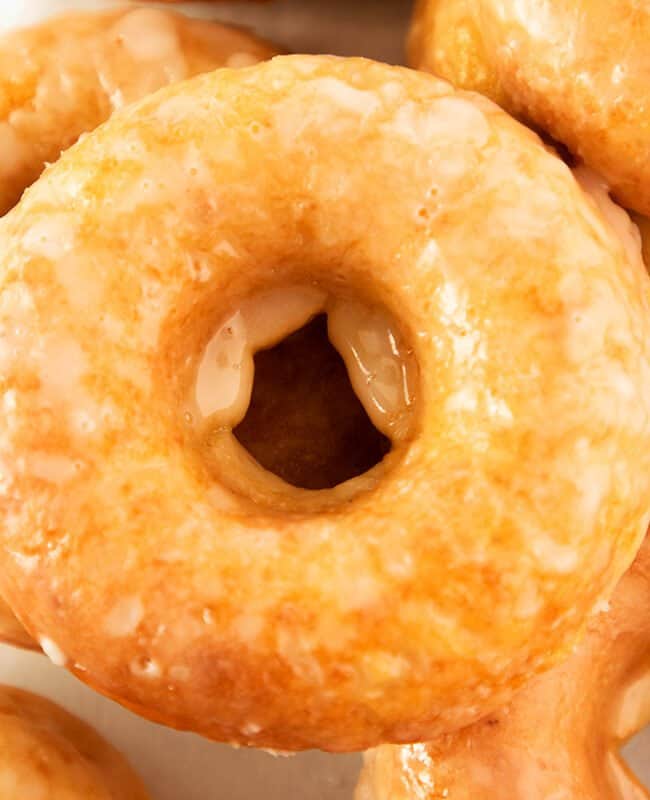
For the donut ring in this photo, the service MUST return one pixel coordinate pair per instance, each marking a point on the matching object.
(46, 752)
(66, 76)
(150, 555)
(577, 70)
(559, 737)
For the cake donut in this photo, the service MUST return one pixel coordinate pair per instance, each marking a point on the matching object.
(493, 325)
(560, 737)
(45, 752)
(578, 70)
(66, 76)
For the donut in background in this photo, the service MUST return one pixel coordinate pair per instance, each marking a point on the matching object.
(66, 76)
(578, 70)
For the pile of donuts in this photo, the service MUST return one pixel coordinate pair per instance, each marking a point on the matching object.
(325, 392)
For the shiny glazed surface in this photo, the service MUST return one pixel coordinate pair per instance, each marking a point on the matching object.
(560, 736)
(250, 611)
(47, 754)
(579, 70)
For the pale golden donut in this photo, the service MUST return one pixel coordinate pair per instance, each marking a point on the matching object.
(66, 76)
(47, 753)
(579, 70)
(559, 738)
(493, 324)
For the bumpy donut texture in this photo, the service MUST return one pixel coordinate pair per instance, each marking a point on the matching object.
(558, 738)
(579, 70)
(47, 753)
(66, 76)
(173, 575)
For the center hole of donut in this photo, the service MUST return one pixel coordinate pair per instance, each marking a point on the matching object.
(305, 423)
(299, 388)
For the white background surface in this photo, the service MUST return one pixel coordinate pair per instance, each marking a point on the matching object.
(174, 765)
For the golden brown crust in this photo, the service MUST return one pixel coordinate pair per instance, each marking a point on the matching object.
(66, 76)
(577, 70)
(559, 737)
(46, 752)
(255, 622)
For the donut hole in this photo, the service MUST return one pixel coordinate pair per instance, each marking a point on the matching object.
(305, 424)
(298, 397)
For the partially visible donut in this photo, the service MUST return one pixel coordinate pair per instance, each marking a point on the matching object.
(45, 752)
(65, 76)
(492, 322)
(559, 738)
(579, 70)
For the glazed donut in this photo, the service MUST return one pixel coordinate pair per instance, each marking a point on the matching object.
(66, 76)
(492, 324)
(560, 737)
(577, 70)
(47, 753)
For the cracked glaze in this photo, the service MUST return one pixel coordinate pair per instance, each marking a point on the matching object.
(578, 70)
(480, 545)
